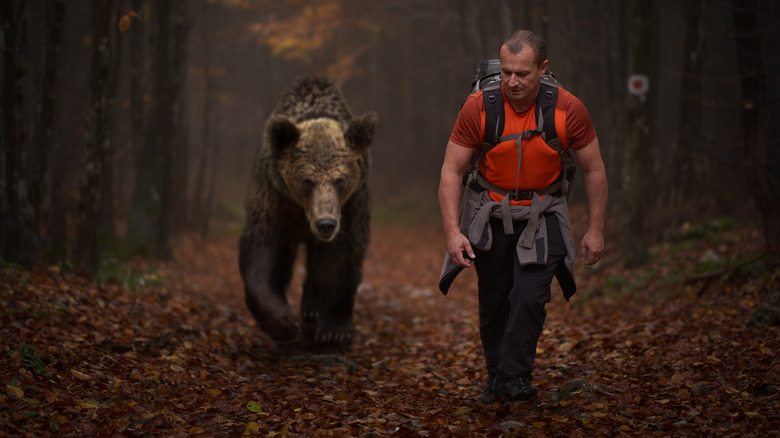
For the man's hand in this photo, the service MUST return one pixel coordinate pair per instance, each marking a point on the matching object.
(459, 249)
(596, 188)
(592, 247)
(456, 160)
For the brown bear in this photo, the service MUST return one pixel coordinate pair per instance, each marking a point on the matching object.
(310, 188)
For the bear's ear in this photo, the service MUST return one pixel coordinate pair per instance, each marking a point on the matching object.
(282, 132)
(360, 132)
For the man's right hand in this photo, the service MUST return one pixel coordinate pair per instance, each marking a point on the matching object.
(459, 249)
(456, 160)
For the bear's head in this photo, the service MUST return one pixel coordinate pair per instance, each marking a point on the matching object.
(322, 163)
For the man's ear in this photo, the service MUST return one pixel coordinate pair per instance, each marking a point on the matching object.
(360, 132)
(282, 133)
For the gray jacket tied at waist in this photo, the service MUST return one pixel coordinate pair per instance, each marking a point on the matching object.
(475, 212)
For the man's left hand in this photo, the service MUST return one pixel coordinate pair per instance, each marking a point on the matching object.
(592, 247)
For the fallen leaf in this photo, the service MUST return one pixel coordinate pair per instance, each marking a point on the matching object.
(15, 391)
(251, 428)
(462, 410)
(79, 375)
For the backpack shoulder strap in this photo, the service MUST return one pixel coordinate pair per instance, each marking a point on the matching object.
(494, 115)
(545, 117)
(548, 97)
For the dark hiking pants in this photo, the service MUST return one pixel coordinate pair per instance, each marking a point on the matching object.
(512, 299)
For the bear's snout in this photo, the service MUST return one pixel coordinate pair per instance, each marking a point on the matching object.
(323, 212)
(326, 227)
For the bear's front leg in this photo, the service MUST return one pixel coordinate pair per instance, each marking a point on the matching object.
(266, 266)
(332, 278)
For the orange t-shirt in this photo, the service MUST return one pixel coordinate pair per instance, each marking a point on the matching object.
(540, 164)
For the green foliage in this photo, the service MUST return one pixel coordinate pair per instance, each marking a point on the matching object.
(710, 230)
(111, 270)
(710, 262)
(8, 268)
(675, 279)
(31, 360)
(616, 281)
(64, 267)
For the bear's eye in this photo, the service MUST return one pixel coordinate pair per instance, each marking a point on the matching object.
(307, 186)
(340, 184)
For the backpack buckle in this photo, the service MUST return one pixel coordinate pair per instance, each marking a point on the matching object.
(521, 195)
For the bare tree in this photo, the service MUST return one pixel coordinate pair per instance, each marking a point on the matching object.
(96, 136)
(685, 170)
(505, 17)
(149, 222)
(17, 234)
(107, 239)
(179, 158)
(199, 218)
(636, 145)
(143, 226)
(54, 242)
(38, 168)
(759, 161)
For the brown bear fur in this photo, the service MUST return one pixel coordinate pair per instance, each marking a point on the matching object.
(310, 188)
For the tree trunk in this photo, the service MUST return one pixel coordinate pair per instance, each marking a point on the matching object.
(137, 68)
(505, 17)
(55, 242)
(208, 206)
(17, 233)
(545, 20)
(199, 220)
(144, 218)
(633, 197)
(615, 29)
(470, 12)
(44, 143)
(177, 186)
(96, 142)
(107, 235)
(759, 162)
(147, 230)
(56, 239)
(686, 171)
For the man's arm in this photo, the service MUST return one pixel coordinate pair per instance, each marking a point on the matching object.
(589, 159)
(456, 161)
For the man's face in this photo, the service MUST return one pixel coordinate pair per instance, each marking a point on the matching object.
(521, 76)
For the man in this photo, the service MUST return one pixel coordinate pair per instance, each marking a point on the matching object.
(515, 262)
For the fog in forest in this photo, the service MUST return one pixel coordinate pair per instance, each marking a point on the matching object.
(412, 62)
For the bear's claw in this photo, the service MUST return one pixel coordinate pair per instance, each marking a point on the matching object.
(309, 315)
(333, 337)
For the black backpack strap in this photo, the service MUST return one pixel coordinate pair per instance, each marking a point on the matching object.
(494, 115)
(548, 97)
(545, 118)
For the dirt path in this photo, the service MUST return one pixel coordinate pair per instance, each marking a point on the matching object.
(181, 355)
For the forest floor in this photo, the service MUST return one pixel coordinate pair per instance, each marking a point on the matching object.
(169, 349)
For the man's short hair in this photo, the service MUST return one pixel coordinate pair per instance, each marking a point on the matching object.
(519, 39)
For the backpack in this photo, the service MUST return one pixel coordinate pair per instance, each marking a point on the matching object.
(488, 79)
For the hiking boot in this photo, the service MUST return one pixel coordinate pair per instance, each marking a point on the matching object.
(517, 389)
(492, 390)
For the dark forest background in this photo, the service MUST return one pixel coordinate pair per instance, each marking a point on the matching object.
(127, 121)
